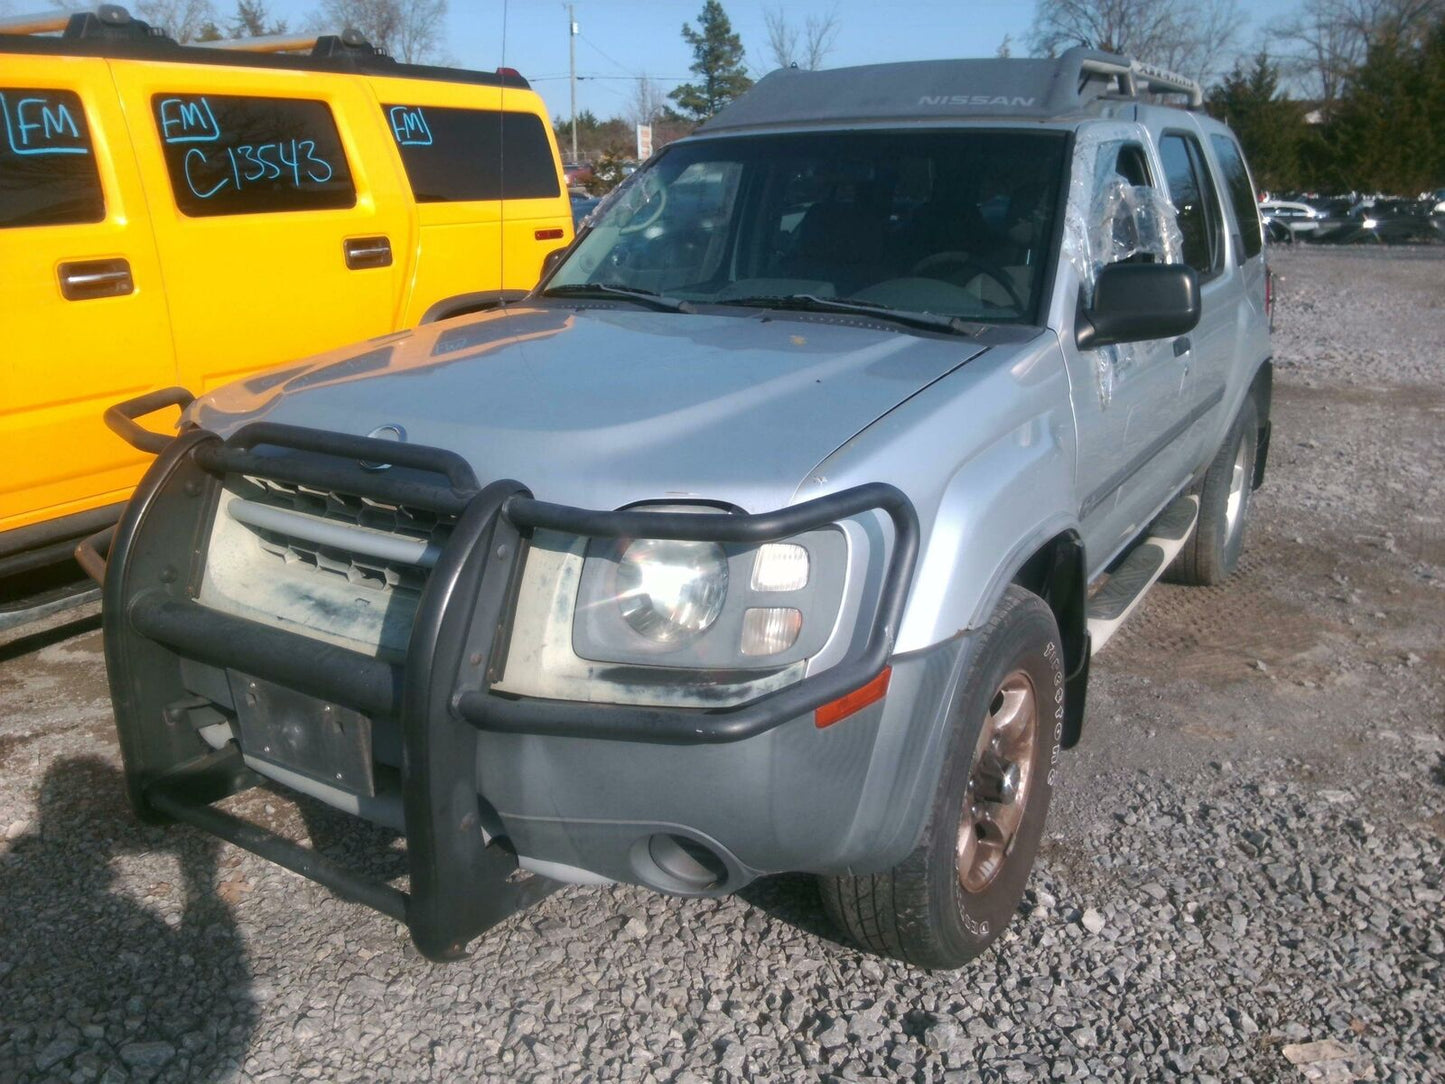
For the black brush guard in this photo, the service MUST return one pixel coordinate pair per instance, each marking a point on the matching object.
(441, 695)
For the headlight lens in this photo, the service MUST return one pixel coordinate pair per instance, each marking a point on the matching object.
(670, 590)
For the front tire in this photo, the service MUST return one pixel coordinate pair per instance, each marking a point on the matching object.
(956, 892)
(1213, 550)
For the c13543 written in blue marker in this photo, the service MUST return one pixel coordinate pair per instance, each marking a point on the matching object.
(213, 165)
(293, 161)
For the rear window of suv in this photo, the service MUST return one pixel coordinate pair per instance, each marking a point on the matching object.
(463, 155)
(1241, 193)
(48, 175)
(230, 155)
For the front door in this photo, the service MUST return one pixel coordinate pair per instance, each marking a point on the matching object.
(81, 299)
(277, 207)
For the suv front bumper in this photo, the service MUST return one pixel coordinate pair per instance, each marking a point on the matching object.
(568, 781)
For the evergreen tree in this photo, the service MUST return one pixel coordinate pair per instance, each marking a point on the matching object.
(1388, 133)
(717, 61)
(1270, 127)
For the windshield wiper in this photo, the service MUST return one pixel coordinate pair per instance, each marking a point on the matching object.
(812, 303)
(622, 293)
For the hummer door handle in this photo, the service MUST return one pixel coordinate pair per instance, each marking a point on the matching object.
(89, 279)
(364, 252)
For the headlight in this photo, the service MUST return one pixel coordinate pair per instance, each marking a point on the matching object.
(668, 590)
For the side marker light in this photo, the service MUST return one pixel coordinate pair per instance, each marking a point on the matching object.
(837, 710)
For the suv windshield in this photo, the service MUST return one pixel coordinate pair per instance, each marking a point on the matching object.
(957, 223)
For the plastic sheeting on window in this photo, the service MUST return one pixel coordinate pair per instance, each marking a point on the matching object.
(1109, 220)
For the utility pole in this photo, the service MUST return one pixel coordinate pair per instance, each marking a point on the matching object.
(572, 65)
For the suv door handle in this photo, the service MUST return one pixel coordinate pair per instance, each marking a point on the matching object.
(85, 280)
(364, 252)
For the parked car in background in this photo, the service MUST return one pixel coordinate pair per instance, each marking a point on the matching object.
(1296, 218)
(577, 173)
(190, 215)
(774, 531)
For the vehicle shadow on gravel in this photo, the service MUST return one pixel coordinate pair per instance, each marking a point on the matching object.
(102, 962)
(793, 898)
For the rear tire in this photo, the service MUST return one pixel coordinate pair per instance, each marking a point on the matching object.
(1213, 550)
(956, 892)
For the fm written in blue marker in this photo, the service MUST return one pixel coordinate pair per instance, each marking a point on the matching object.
(37, 125)
(409, 125)
(188, 121)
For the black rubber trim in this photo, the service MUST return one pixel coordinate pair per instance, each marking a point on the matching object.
(336, 462)
(691, 726)
(468, 304)
(1140, 461)
(1261, 453)
(308, 863)
(121, 418)
(62, 529)
(309, 666)
(446, 855)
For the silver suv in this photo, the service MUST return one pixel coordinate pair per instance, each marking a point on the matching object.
(773, 531)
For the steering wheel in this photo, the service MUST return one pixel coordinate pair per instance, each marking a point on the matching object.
(660, 195)
(928, 267)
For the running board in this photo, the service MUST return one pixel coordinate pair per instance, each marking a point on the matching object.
(1130, 581)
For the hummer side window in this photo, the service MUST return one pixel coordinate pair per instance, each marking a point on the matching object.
(229, 155)
(457, 155)
(48, 175)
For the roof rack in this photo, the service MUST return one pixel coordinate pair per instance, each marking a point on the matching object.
(316, 44)
(1135, 74)
(37, 22)
(1082, 81)
(111, 22)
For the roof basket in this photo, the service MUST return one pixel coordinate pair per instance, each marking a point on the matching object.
(1126, 77)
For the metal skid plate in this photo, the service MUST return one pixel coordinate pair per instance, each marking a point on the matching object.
(327, 742)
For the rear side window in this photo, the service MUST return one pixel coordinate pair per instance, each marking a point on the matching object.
(242, 156)
(48, 175)
(1241, 193)
(1193, 194)
(460, 155)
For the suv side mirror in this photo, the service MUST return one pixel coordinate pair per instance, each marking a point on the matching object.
(1137, 301)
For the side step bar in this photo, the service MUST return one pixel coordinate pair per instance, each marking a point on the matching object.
(1145, 563)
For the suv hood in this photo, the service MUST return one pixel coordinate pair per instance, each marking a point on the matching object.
(604, 407)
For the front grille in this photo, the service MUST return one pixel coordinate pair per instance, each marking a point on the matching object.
(338, 566)
(337, 534)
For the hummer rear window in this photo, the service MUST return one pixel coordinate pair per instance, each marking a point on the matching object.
(48, 175)
(460, 155)
(231, 155)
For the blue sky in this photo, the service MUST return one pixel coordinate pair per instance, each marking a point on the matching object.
(620, 40)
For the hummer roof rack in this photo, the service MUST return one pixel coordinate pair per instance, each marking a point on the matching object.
(1032, 88)
(111, 31)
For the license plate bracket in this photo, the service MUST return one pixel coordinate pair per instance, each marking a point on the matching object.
(322, 741)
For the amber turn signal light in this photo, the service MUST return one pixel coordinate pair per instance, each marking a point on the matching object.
(837, 710)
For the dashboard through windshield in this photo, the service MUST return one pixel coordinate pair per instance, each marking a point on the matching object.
(955, 223)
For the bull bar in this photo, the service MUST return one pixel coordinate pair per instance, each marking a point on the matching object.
(441, 694)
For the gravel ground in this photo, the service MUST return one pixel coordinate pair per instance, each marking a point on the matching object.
(1245, 854)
